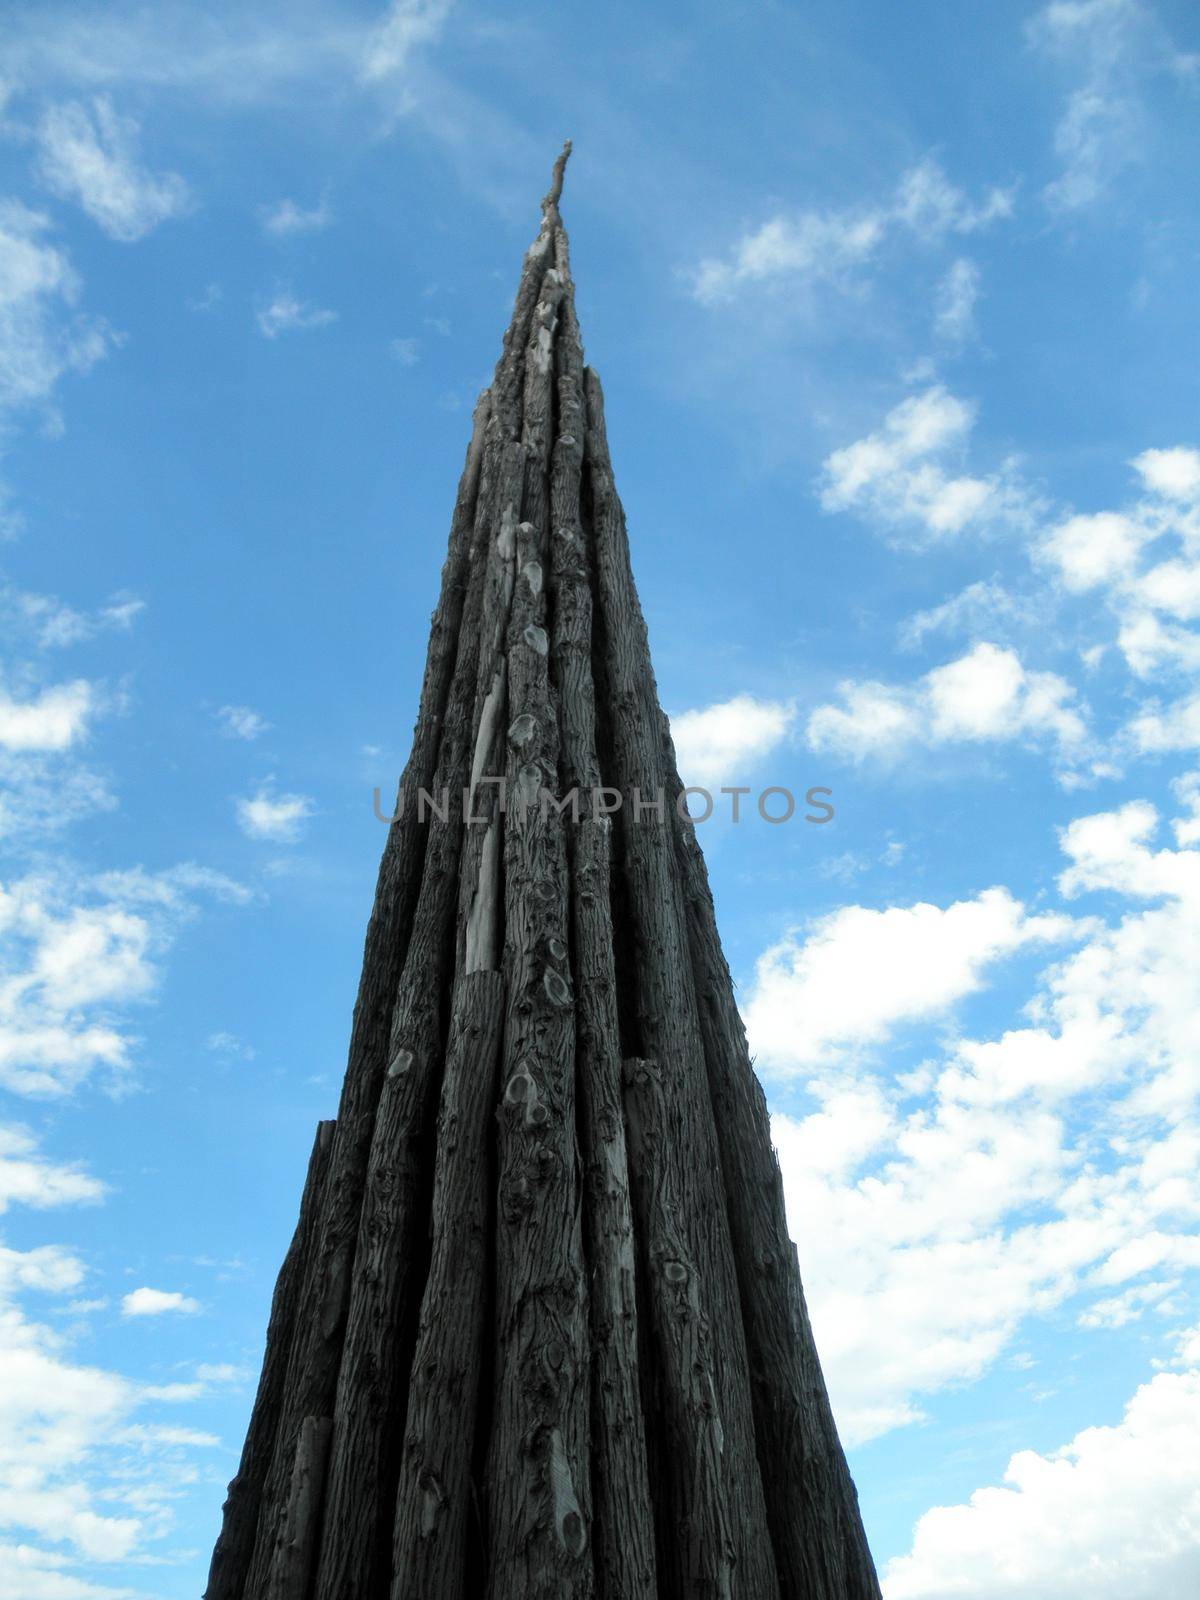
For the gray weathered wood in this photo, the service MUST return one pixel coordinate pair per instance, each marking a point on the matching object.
(820, 1546)
(291, 1567)
(659, 969)
(435, 1513)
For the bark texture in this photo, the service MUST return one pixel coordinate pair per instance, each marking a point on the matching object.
(540, 1334)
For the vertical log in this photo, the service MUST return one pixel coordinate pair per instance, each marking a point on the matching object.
(684, 1339)
(235, 1544)
(291, 1569)
(665, 999)
(820, 1545)
(623, 1538)
(539, 1494)
(433, 1501)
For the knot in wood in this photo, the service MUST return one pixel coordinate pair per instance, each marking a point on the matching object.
(519, 1087)
(535, 638)
(532, 573)
(557, 949)
(400, 1063)
(557, 991)
(537, 1115)
(675, 1272)
(522, 731)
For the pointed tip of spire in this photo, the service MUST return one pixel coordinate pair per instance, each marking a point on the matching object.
(550, 203)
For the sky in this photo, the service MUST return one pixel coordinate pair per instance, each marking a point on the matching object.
(896, 310)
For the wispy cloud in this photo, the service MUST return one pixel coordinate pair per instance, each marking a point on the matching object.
(241, 722)
(955, 301)
(285, 313)
(828, 246)
(285, 218)
(89, 155)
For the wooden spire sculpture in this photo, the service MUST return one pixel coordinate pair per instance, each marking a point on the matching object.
(540, 1334)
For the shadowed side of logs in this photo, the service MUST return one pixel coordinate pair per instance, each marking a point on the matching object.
(235, 1545)
(659, 962)
(433, 1501)
(820, 1545)
(300, 1527)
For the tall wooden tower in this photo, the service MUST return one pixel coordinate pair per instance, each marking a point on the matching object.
(540, 1334)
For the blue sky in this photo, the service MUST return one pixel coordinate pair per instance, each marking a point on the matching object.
(896, 310)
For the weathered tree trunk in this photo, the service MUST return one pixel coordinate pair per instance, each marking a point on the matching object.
(540, 1334)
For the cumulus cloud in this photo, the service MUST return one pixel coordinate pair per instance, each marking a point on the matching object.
(1008, 1173)
(267, 815)
(29, 1178)
(856, 975)
(1120, 1504)
(721, 742)
(157, 1302)
(901, 478)
(52, 720)
(983, 697)
(828, 246)
(287, 314)
(89, 155)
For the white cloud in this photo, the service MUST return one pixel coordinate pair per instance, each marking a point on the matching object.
(38, 344)
(721, 742)
(76, 954)
(1113, 49)
(824, 247)
(228, 1044)
(858, 974)
(241, 722)
(985, 606)
(408, 25)
(286, 314)
(1174, 472)
(955, 302)
(899, 479)
(266, 815)
(937, 1210)
(53, 720)
(984, 696)
(28, 1178)
(90, 156)
(285, 218)
(55, 625)
(155, 1302)
(1117, 1509)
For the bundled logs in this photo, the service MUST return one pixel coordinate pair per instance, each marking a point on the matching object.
(540, 1334)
